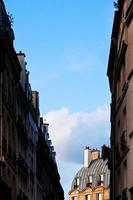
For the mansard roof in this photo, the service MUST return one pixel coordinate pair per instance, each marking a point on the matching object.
(96, 168)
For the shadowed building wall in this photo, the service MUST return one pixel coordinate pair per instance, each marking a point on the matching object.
(20, 128)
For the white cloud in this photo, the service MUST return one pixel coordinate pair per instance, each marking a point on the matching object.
(72, 131)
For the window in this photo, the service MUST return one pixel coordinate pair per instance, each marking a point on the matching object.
(118, 197)
(118, 123)
(101, 177)
(117, 150)
(123, 141)
(118, 90)
(90, 179)
(98, 196)
(77, 182)
(119, 172)
(100, 181)
(124, 110)
(125, 163)
(75, 198)
(124, 119)
(124, 195)
(88, 197)
(123, 74)
(131, 193)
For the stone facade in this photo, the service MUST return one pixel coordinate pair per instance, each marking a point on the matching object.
(48, 185)
(105, 194)
(120, 73)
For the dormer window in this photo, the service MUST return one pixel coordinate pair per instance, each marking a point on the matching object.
(101, 178)
(89, 182)
(77, 182)
(100, 181)
(90, 179)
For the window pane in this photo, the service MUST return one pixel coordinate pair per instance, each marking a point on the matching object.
(98, 196)
(75, 198)
(90, 179)
(77, 182)
(88, 197)
(101, 177)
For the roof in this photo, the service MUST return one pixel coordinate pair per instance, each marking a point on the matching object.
(96, 168)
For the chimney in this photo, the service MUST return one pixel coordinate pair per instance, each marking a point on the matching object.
(95, 154)
(35, 102)
(87, 156)
(105, 152)
(21, 58)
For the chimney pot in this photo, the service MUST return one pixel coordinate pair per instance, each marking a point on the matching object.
(87, 156)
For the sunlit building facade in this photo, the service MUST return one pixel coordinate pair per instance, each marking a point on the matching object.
(92, 181)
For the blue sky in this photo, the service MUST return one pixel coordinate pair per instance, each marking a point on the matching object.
(66, 43)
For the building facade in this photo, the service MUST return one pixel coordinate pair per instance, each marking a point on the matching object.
(92, 181)
(48, 185)
(20, 128)
(120, 73)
